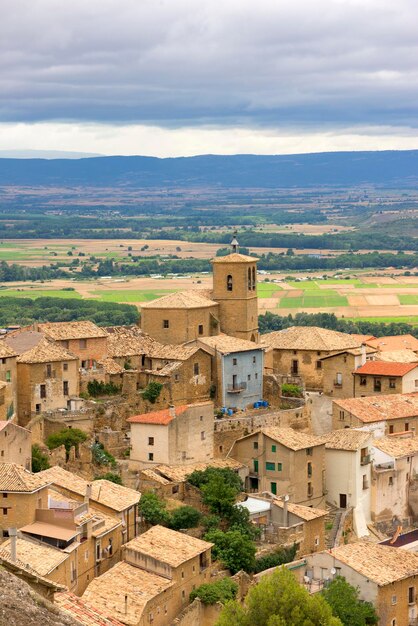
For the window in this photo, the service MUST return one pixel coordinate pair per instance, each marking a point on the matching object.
(196, 369)
(150, 456)
(221, 448)
(176, 378)
(279, 467)
(270, 466)
(310, 490)
(391, 429)
(256, 376)
(254, 359)
(183, 594)
(393, 622)
(229, 282)
(255, 445)
(390, 481)
(248, 376)
(202, 435)
(394, 599)
(411, 595)
(8, 376)
(377, 384)
(249, 279)
(309, 468)
(166, 324)
(65, 390)
(37, 408)
(406, 426)
(175, 489)
(363, 380)
(5, 494)
(65, 343)
(295, 367)
(392, 383)
(49, 370)
(234, 361)
(253, 278)
(339, 378)
(365, 482)
(110, 547)
(200, 329)
(255, 462)
(82, 344)
(65, 367)
(150, 441)
(309, 451)
(319, 365)
(42, 391)
(273, 448)
(341, 416)
(4, 511)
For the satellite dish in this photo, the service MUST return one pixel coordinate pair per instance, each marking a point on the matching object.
(333, 571)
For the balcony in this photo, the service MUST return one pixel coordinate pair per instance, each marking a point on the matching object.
(365, 460)
(237, 388)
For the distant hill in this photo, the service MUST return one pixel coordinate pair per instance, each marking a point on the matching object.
(386, 168)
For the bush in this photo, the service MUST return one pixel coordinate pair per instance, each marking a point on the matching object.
(280, 556)
(96, 388)
(219, 591)
(185, 517)
(291, 391)
(39, 459)
(113, 478)
(68, 437)
(198, 478)
(152, 392)
(101, 456)
(235, 550)
(153, 510)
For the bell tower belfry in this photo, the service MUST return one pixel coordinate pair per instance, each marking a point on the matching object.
(235, 289)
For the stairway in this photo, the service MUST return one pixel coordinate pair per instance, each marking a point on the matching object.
(333, 517)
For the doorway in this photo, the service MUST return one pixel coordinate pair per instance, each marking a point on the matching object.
(343, 500)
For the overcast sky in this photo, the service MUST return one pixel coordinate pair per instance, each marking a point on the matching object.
(180, 77)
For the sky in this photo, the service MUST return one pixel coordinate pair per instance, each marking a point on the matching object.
(183, 77)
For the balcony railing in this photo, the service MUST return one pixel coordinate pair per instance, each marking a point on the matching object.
(237, 388)
(365, 460)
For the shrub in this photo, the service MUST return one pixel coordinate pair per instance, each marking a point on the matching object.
(68, 437)
(280, 556)
(113, 478)
(235, 550)
(185, 517)
(39, 459)
(291, 391)
(97, 388)
(219, 591)
(101, 456)
(153, 510)
(152, 391)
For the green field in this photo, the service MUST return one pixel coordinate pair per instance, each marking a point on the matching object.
(406, 319)
(129, 295)
(408, 299)
(266, 290)
(38, 293)
(313, 299)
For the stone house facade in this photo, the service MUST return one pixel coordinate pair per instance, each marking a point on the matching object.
(8, 371)
(338, 378)
(15, 445)
(382, 377)
(84, 339)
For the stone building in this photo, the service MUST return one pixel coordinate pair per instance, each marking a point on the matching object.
(348, 474)
(15, 445)
(284, 462)
(385, 576)
(380, 377)
(298, 351)
(84, 339)
(182, 434)
(237, 370)
(21, 493)
(153, 584)
(9, 379)
(130, 346)
(383, 414)
(47, 378)
(338, 368)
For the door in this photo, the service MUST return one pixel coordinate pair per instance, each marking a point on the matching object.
(234, 381)
(273, 488)
(295, 367)
(343, 500)
(256, 466)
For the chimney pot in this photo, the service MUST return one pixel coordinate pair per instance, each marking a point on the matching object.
(13, 544)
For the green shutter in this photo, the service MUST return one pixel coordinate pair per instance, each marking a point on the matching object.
(273, 448)
(279, 467)
(273, 488)
(270, 466)
(255, 465)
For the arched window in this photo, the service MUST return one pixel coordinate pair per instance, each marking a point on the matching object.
(249, 279)
(253, 278)
(229, 282)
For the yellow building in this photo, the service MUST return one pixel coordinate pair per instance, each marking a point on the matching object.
(8, 378)
(381, 377)
(15, 445)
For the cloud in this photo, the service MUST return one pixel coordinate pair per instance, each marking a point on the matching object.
(263, 67)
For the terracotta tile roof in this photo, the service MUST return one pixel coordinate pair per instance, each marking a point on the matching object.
(383, 368)
(25, 570)
(346, 439)
(394, 342)
(166, 370)
(40, 557)
(103, 492)
(399, 356)
(5, 350)
(125, 341)
(235, 257)
(181, 300)
(151, 474)
(381, 564)
(110, 366)
(162, 418)
(291, 438)
(63, 331)
(46, 352)
(396, 446)
(225, 344)
(168, 546)
(107, 592)
(362, 338)
(304, 512)
(84, 613)
(309, 338)
(179, 473)
(378, 408)
(179, 352)
(15, 478)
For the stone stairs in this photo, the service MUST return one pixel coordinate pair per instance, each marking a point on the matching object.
(333, 517)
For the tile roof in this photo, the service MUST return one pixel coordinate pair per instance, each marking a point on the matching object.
(40, 557)
(179, 473)
(110, 366)
(23, 340)
(306, 513)
(107, 592)
(309, 338)
(396, 446)
(162, 418)
(291, 438)
(383, 368)
(381, 564)
(179, 352)
(5, 350)
(225, 344)
(168, 546)
(235, 257)
(151, 474)
(362, 338)
(46, 352)
(394, 342)
(103, 492)
(166, 370)
(63, 331)
(399, 356)
(125, 341)
(378, 408)
(346, 439)
(15, 478)
(84, 613)
(180, 300)
(25, 570)
(353, 351)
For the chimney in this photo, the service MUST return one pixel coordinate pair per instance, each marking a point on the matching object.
(363, 354)
(172, 410)
(13, 542)
(88, 493)
(285, 511)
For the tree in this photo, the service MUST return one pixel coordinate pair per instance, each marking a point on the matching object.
(39, 459)
(152, 391)
(185, 517)
(235, 550)
(278, 600)
(344, 600)
(218, 496)
(67, 437)
(153, 510)
(201, 477)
